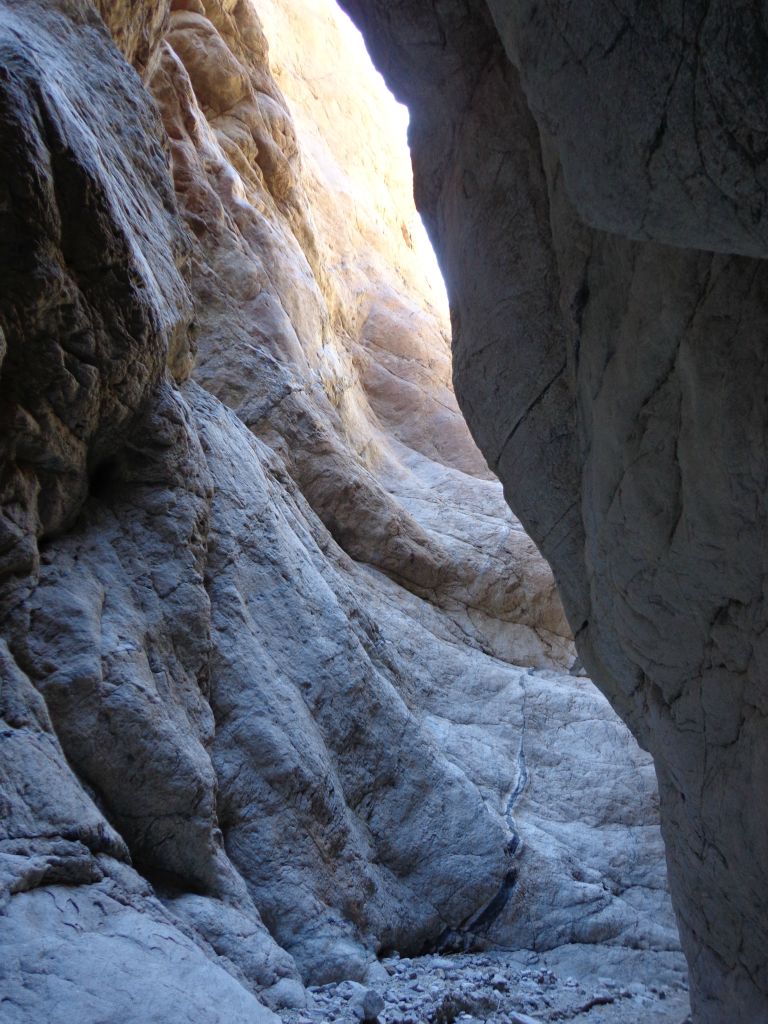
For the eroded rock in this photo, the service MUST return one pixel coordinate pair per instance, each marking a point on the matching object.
(616, 385)
(281, 666)
(93, 301)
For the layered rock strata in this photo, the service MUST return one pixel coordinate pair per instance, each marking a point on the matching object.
(280, 671)
(594, 179)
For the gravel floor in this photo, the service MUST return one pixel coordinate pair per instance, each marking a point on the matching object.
(499, 988)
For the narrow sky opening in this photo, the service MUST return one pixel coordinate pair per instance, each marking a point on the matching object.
(345, 87)
(422, 241)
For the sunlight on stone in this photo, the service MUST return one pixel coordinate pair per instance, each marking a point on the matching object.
(338, 100)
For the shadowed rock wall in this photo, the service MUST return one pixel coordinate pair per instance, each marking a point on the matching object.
(617, 385)
(279, 670)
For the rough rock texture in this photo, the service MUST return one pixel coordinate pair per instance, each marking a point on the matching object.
(511, 988)
(617, 386)
(281, 674)
(93, 299)
(138, 28)
(672, 150)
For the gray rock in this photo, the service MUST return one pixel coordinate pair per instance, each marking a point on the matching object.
(376, 974)
(615, 382)
(262, 714)
(85, 953)
(540, 996)
(689, 173)
(286, 994)
(367, 1005)
(95, 344)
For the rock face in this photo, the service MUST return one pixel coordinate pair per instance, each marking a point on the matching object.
(94, 303)
(281, 673)
(616, 383)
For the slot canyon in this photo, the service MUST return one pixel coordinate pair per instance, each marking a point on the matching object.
(383, 642)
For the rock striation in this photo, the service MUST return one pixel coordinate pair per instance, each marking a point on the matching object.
(285, 685)
(593, 178)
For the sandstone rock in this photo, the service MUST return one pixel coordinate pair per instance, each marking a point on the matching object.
(138, 28)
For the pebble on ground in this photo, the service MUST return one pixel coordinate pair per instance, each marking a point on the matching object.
(495, 988)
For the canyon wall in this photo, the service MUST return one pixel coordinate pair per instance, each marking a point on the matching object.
(593, 177)
(284, 682)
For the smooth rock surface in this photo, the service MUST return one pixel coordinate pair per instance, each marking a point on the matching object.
(100, 952)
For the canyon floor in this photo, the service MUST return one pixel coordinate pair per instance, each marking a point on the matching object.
(520, 987)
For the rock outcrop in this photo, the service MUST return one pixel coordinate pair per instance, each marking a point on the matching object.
(594, 179)
(284, 683)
